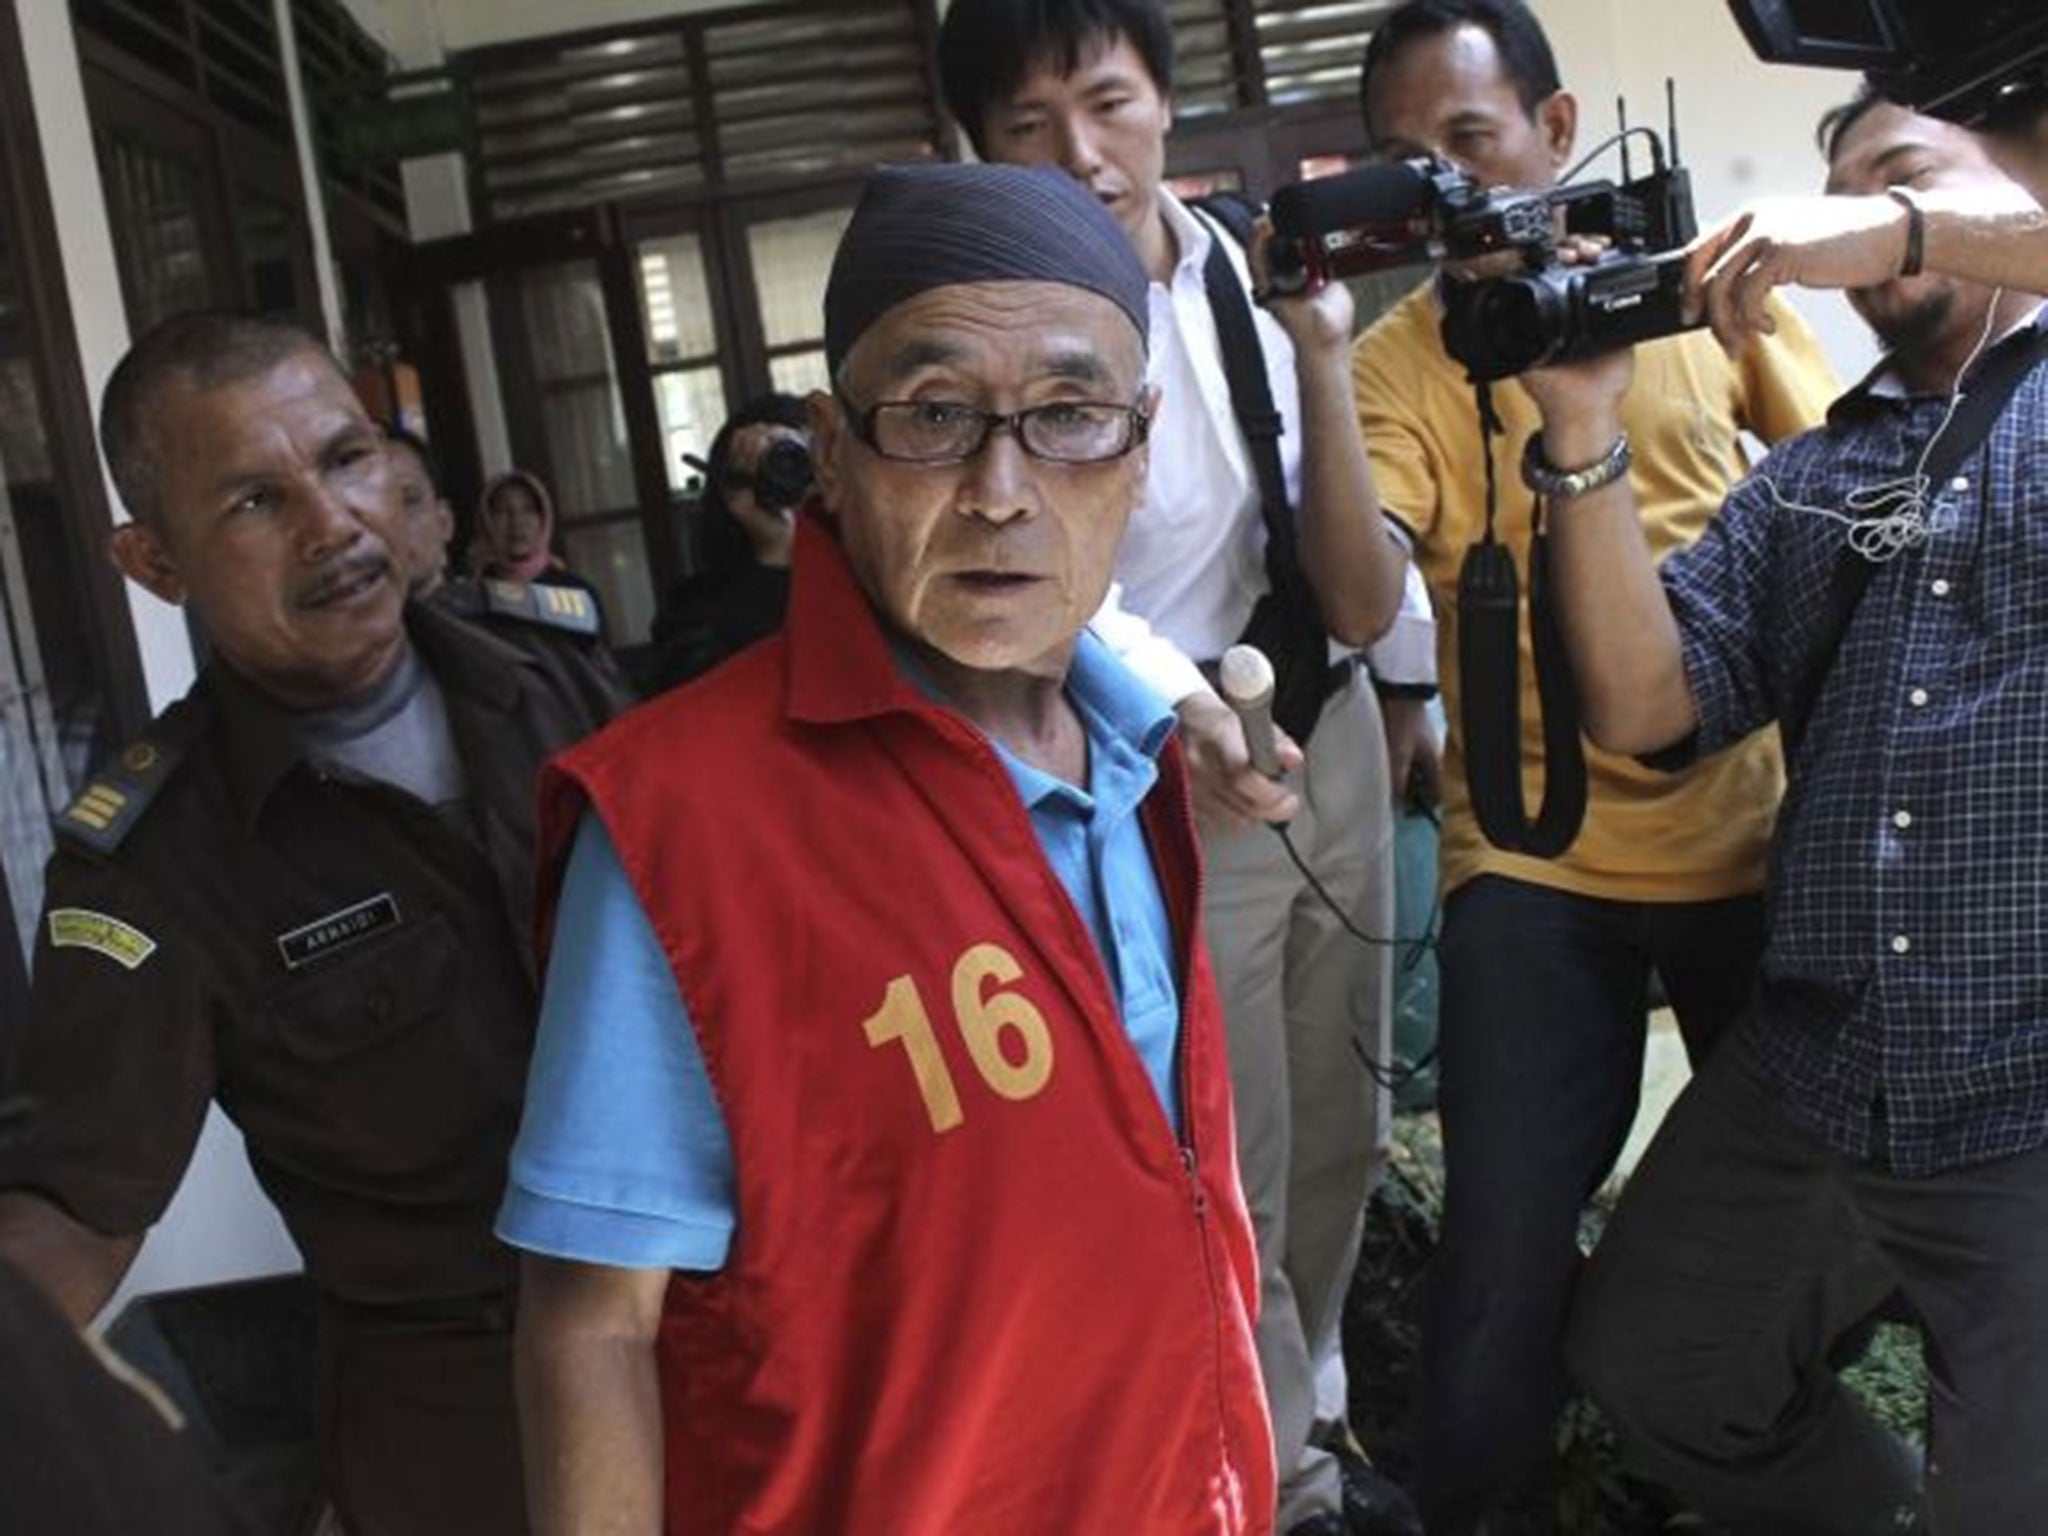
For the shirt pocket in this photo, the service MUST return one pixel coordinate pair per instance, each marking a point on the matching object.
(374, 992)
(374, 1067)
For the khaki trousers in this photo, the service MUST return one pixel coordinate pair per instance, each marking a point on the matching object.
(1304, 1003)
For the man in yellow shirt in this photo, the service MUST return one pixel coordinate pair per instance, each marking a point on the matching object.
(1546, 963)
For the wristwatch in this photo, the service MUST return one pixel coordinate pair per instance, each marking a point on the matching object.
(1547, 480)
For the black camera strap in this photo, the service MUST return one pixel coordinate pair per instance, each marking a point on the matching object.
(1490, 685)
(1984, 400)
(1287, 623)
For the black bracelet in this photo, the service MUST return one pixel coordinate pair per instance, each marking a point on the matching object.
(1916, 231)
(1387, 690)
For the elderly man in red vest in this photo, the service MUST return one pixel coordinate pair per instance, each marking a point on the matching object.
(877, 1174)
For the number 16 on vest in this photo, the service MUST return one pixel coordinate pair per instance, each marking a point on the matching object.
(1005, 1034)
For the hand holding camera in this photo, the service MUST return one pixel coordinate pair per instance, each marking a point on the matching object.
(1595, 265)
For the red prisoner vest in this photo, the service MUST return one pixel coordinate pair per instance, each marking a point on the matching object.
(978, 1287)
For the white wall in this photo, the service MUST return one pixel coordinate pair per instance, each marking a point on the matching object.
(1745, 128)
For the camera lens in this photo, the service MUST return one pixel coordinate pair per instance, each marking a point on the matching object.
(782, 475)
(1523, 320)
(1508, 325)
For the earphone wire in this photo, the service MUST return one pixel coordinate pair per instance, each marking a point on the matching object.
(1877, 534)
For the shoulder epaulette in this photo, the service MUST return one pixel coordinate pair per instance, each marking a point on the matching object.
(565, 608)
(103, 813)
(462, 596)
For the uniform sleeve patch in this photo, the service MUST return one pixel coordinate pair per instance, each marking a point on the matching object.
(78, 928)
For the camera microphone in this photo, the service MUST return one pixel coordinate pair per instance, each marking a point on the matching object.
(1371, 197)
(1246, 680)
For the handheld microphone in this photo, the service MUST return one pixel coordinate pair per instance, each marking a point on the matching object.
(1246, 679)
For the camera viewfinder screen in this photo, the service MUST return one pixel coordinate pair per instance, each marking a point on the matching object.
(1838, 23)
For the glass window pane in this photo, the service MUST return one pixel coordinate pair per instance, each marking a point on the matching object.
(565, 324)
(52, 712)
(691, 404)
(153, 207)
(791, 260)
(613, 558)
(800, 372)
(587, 446)
(587, 450)
(269, 235)
(675, 299)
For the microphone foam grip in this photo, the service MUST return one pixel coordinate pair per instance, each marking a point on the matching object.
(1246, 679)
(1370, 197)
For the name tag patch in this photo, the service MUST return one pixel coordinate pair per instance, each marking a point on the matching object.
(77, 928)
(336, 931)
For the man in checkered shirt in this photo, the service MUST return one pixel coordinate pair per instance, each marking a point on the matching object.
(1880, 1120)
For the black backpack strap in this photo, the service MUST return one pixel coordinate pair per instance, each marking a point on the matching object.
(1288, 624)
(1984, 399)
(1233, 210)
(1251, 396)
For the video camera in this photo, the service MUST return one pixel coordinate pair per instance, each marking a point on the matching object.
(1394, 213)
(1963, 60)
(782, 475)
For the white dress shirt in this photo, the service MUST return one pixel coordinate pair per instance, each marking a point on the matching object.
(1193, 558)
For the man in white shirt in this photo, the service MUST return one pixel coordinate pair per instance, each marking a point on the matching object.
(1085, 86)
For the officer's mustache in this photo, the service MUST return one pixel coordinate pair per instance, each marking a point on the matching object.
(344, 578)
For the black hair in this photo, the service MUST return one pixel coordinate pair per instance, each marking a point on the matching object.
(2016, 112)
(723, 546)
(1835, 123)
(1517, 36)
(408, 439)
(207, 348)
(987, 47)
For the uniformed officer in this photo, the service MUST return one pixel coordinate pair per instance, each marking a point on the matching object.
(303, 892)
(521, 613)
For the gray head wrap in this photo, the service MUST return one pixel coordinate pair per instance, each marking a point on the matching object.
(921, 227)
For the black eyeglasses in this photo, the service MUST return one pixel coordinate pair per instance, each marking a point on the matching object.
(948, 432)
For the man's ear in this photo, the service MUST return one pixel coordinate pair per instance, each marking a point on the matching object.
(829, 430)
(141, 556)
(1558, 116)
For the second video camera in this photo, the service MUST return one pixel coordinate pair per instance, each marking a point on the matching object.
(1391, 214)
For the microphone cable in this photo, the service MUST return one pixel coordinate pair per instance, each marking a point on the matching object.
(1395, 1075)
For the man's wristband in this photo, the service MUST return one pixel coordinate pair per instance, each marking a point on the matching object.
(1916, 231)
(1387, 690)
(1554, 484)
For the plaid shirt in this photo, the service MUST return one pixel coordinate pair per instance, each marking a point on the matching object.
(1904, 999)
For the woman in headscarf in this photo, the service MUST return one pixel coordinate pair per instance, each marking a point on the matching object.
(514, 539)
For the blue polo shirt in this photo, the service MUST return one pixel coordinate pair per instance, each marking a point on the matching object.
(623, 1157)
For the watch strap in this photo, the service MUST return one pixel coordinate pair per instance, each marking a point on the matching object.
(1554, 484)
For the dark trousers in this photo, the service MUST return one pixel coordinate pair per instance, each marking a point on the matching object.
(418, 1432)
(1742, 1249)
(1542, 1023)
